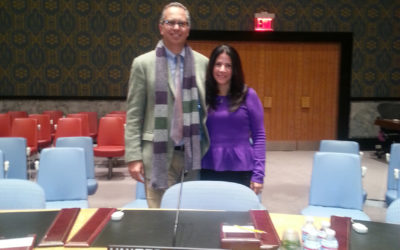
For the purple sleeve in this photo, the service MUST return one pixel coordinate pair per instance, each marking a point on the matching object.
(256, 114)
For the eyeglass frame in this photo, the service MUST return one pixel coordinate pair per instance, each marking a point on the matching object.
(172, 23)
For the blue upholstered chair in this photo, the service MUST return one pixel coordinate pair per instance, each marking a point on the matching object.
(14, 149)
(393, 184)
(62, 175)
(336, 187)
(1, 165)
(211, 195)
(21, 194)
(338, 146)
(140, 197)
(393, 212)
(87, 144)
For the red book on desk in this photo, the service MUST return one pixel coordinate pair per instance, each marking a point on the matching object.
(342, 227)
(59, 230)
(85, 236)
(262, 221)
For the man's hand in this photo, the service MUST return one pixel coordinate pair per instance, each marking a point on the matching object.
(256, 187)
(136, 170)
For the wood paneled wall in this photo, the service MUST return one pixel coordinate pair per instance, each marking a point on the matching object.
(297, 82)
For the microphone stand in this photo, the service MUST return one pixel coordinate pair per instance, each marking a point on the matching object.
(178, 207)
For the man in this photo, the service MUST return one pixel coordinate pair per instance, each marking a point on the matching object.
(162, 136)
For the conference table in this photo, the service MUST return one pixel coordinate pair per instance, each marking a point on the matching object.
(196, 229)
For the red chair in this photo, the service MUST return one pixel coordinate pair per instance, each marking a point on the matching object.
(85, 122)
(17, 114)
(118, 112)
(26, 128)
(5, 125)
(92, 123)
(44, 128)
(67, 127)
(110, 140)
(123, 116)
(55, 115)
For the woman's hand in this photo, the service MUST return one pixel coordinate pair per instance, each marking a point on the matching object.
(256, 187)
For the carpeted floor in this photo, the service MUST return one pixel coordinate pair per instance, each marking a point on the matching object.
(286, 186)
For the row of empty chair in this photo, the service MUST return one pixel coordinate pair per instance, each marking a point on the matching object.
(61, 176)
(43, 130)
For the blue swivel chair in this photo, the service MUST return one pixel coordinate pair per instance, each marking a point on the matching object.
(14, 149)
(393, 183)
(1, 165)
(140, 197)
(339, 146)
(211, 195)
(393, 212)
(336, 187)
(62, 175)
(87, 144)
(21, 194)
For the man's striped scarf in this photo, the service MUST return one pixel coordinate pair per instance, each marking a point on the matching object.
(191, 125)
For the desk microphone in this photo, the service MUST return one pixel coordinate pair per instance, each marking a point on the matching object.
(178, 207)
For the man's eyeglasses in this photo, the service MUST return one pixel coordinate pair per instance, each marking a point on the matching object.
(172, 23)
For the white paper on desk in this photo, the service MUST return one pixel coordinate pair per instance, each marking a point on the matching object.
(236, 229)
(17, 242)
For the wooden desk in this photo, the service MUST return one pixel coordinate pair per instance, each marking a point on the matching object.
(197, 228)
(391, 124)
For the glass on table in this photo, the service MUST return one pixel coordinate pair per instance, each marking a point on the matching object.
(290, 240)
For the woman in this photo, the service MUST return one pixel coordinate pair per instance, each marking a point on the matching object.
(235, 123)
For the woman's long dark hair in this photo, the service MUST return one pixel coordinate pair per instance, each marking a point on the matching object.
(237, 91)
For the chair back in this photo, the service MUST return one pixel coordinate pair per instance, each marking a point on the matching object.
(93, 123)
(84, 142)
(336, 181)
(1, 165)
(85, 122)
(5, 125)
(67, 127)
(211, 195)
(140, 191)
(21, 194)
(337, 146)
(118, 112)
(17, 114)
(44, 129)
(87, 144)
(394, 162)
(62, 174)
(393, 212)
(27, 128)
(111, 132)
(14, 150)
(55, 115)
(121, 115)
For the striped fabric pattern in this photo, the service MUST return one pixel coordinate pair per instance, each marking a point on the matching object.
(191, 118)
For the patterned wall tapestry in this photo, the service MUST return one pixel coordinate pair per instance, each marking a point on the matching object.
(84, 48)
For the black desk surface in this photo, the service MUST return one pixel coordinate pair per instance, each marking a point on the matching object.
(21, 224)
(197, 229)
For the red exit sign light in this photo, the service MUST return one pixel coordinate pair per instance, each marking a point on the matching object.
(263, 24)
